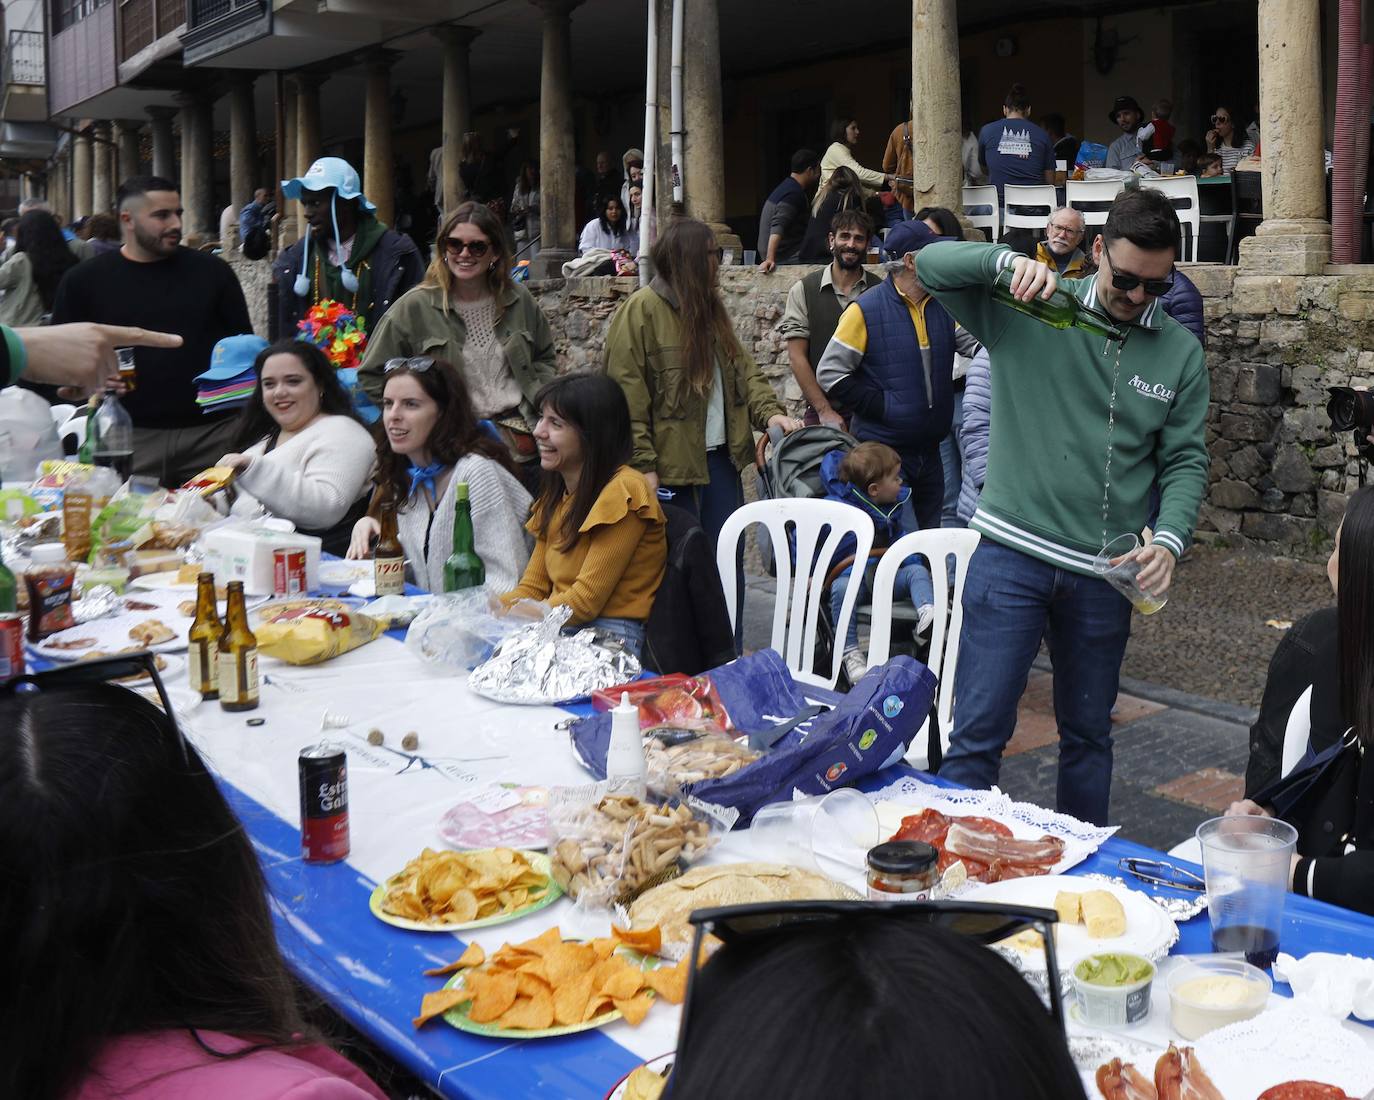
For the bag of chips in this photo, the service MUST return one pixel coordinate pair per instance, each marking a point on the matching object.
(307, 632)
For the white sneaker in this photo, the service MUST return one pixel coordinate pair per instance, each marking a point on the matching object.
(855, 665)
(925, 615)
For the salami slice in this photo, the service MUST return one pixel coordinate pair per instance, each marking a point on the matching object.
(990, 847)
(1304, 1090)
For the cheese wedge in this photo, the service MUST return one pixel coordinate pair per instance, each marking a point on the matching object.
(1069, 907)
(1103, 914)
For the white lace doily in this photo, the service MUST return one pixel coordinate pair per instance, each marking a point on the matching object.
(1024, 819)
(1284, 1044)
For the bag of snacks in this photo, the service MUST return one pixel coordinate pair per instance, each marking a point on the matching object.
(606, 846)
(684, 702)
(307, 632)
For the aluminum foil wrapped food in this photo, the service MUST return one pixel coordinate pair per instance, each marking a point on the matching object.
(97, 602)
(538, 664)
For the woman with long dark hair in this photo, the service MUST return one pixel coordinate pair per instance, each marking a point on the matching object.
(524, 211)
(695, 394)
(1228, 140)
(29, 278)
(841, 190)
(843, 153)
(610, 229)
(470, 313)
(305, 456)
(430, 442)
(136, 940)
(600, 534)
(1331, 652)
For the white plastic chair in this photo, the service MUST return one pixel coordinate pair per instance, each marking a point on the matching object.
(76, 426)
(937, 545)
(1016, 200)
(1182, 192)
(1092, 198)
(978, 198)
(62, 413)
(817, 527)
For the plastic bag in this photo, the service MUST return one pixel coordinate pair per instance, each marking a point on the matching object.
(459, 629)
(684, 702)
(1090, 155)
(607, 845)
(676, 758)
(308, 632)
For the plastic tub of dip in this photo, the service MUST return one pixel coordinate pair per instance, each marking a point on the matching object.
(1208, 992)
(1112, 988)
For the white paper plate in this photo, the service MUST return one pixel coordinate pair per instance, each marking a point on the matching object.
(340, 573)
(162, 582)
(111, 634)
(1149, 930)
(657, 1065)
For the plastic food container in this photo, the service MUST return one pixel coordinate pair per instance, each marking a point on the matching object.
(1207, 992)
(1113, 1005)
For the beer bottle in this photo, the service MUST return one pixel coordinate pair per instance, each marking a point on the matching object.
(202, 654)
(388, 559)
(1060, 310)
(463, 568)
(238, 656)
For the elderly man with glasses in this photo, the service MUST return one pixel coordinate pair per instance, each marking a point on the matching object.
(1062, 248)
(1082, 428)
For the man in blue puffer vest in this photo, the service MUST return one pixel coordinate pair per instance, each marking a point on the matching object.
(891, 360)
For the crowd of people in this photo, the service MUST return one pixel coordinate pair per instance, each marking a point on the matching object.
(937, 395)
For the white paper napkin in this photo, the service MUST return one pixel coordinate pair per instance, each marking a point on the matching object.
(1335, 985)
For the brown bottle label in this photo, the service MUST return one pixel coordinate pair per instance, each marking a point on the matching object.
(390, 576)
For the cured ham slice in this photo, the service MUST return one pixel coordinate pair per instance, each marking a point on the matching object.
(990, 847)
(1180, 1076)
(1117, 1080)
(1304, 1090)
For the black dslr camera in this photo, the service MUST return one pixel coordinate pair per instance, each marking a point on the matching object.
(1352, 411)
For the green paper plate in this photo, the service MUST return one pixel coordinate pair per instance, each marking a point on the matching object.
(538, 860)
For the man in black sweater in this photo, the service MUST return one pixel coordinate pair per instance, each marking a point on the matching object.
(154, 283)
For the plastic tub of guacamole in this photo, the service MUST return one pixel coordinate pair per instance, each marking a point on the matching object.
(1112, 988)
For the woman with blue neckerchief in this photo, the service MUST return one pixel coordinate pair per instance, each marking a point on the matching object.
(430, 441)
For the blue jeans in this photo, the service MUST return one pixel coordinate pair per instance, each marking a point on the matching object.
(952, 464)
(712, 504)
(629, 631)
(912, 579)
(1009, 599)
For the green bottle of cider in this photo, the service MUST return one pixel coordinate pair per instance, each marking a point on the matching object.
(463, 568)
(1060, 310)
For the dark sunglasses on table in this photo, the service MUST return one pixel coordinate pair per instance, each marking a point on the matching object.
(1126, 283)
(454, 248)
(416, 364)
(127, 670)
(982, 923)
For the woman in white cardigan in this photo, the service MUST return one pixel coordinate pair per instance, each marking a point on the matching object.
(844, 139)
(306, 457)
(432, 441)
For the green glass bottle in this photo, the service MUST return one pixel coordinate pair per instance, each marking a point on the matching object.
(1060, 310)
(9, 591)
(86, 453)
(463, 569)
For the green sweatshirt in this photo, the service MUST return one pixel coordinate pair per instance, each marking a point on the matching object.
(1051, 392)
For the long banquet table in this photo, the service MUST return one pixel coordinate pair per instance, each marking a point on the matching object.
(370, 972)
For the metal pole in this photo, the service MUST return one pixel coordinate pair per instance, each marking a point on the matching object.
(676, 92)
(646, 208)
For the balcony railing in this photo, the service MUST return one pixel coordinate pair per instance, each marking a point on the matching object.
(67, 13)
(143, 22)
(24, 58)
(204, 12)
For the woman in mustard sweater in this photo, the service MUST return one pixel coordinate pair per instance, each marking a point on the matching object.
(600, 535)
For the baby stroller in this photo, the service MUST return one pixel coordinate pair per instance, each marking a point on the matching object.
(790, 466)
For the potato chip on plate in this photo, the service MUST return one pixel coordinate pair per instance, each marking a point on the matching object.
(449, 891)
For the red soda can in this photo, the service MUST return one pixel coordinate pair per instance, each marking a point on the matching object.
(324, 803)
(11, 646)
(288, 572)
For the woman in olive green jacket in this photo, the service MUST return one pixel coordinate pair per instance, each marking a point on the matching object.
(695, 394)
(470, 313)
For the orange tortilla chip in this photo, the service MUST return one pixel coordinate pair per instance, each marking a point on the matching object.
(493, 995)
(437, 1003)
(543, 942)
(472, 956)
(669, 982)
(531, 985)
(603, 948)
(635, 1008)
(565, 960)
(647, 941)
(623, 984)
(570, 1000)
(597, 1005)
(530, 1013)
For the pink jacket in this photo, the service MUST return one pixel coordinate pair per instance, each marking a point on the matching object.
(169, 1065)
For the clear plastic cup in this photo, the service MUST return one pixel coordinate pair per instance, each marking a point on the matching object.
(1246, 863)
(829, 834)
(1111, 565)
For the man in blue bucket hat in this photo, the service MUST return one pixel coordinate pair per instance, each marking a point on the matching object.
(347, 256)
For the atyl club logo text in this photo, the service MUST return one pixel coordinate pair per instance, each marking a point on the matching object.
(1152, 389)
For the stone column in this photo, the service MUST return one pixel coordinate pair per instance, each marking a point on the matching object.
(1295, 237)
(937, 130)
(127, 135)
(290, 227)
(243, 152)
(307, 130)
(82, 176)
(557, 216)
(164, 142)
(703, 149)
(200, 221)
(102, 168)
(457, 42)
(378, 177)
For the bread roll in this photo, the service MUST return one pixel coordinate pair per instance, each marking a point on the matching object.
(1103, 914)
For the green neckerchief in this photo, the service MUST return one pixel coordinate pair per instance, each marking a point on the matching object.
(365, 238)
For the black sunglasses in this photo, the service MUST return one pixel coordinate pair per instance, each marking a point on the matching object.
(121, 668)
(980, 922)
(454, 248)
(1219, 118)
(416, 364)
(1126, 283)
